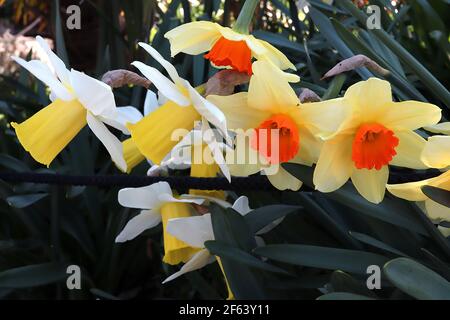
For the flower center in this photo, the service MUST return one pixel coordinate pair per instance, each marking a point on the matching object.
(373, 146)
(235, 54)
(277, 139)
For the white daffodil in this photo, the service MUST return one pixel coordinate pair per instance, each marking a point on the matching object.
(184, 106)
(196, 230)
(77, 100)
(158, 204)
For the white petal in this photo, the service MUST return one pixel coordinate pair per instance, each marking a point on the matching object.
(173, 74)
(150, 103)
(194, 231)
(241, 205)
(143, 221)
(94, 95)
(198, 261)
(110, 141)
(371, 184)
(169, 89)
(144, 197)
(216, 150)
(56, 62)
(123, 116)
(41, 71)
(209, 111)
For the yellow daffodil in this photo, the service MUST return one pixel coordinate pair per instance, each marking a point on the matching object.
(227, 48)
(77, 100)
(158, 204)
(271, 103)
(436, 154)
(184, 106)
(378, 132)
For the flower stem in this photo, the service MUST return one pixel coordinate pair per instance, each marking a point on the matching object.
(245, 16)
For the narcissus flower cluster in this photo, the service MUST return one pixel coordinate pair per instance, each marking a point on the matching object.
(356, 137)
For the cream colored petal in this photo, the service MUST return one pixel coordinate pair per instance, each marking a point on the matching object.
(282, 180)
(237, 112)
(443, 127)
(371, 184)
(310, 148)
(410, 115)
(269, 90)
(412, 190)
(275, 56)
(436, 153)
(436, 211)
(335, 165)
(370, 98)
(193, 38)
(167, 87)
(409, 149)
(327, 118)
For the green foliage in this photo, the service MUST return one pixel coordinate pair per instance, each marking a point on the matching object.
(325, 241)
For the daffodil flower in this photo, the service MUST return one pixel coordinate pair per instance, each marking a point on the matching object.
(271, 103)
(227, 48)
(131, 152)
(436, 154)
(77, 100)
(184, 106)
(158, 204)
(377, 133)
(195, 231)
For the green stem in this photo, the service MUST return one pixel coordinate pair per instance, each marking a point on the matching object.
(245, 16)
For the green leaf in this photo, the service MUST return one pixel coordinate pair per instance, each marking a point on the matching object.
(343, 296)
(343, 282)
(439, 195)
(353, 261)
(12, 163)
(225, 251)
(417, 280)
(335, 87)
(32, 275)
(376, 243)
(263, 216)
(24, 201)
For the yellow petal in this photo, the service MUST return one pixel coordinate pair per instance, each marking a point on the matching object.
(436, 153)
(175, 251)
(371, 184)
(193, 38)
(203, 166)
(269, 89)
(443, 127)
(410, 115)
(436, 211)
(275, 56)
(409, 149)
(237, 112)
(153, 134)
(370, 98)
(335, 164)
(131, 154)
(48, 131)
(282, 180)
(412, 190)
